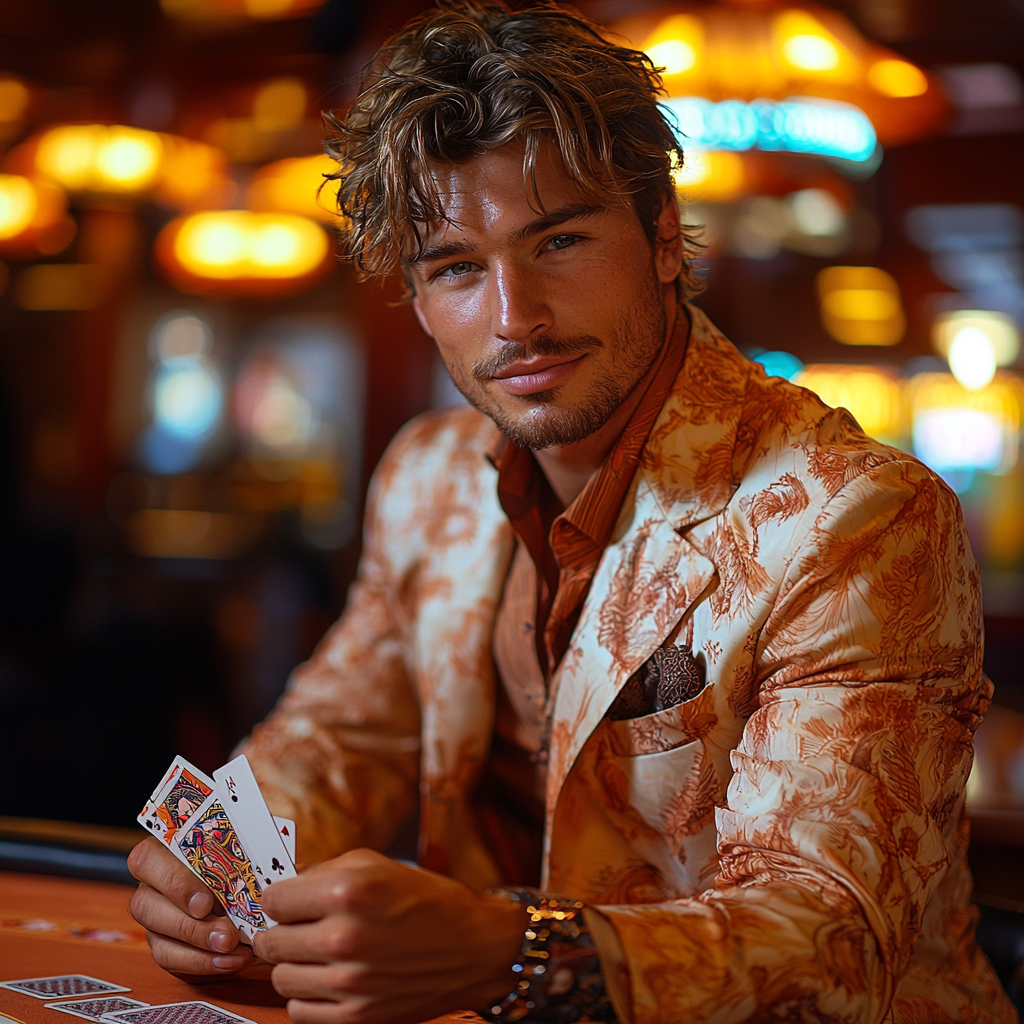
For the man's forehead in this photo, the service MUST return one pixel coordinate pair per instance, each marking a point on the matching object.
(494, 194)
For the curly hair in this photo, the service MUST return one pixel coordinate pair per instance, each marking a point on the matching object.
(467, 78)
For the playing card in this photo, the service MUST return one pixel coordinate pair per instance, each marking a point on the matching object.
(179, 795)
(195, 1012)
(93, 1009)
(60, 985)
(241, 797)
(211, 847)
(286, 829)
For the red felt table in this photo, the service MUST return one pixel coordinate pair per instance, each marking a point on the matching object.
(51, 926)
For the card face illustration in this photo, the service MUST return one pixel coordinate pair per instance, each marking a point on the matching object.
(212, 848)
(93, 1009)
(240, 795)
(195, 1012)
(179, 795)
(61, 985)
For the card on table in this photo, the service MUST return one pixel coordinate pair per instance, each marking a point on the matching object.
(93, 1009)
(61, 985)
(195, 1012)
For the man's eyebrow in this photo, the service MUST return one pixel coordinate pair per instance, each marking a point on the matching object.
(438, 252)
(554, 218)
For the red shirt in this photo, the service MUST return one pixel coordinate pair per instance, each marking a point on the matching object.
(557, 553)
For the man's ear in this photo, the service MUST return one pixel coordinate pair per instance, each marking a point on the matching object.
(668, 241)
(418, 309)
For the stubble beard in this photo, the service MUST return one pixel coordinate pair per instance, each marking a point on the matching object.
(637, 339)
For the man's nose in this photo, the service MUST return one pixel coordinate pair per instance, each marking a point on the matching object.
(519, 307)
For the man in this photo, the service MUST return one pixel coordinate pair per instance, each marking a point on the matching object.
(689, 627)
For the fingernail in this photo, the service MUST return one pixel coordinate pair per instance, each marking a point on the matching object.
(199, 904)
(226, 963)
(220, 940)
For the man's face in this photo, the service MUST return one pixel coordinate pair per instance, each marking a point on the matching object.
(546, 323)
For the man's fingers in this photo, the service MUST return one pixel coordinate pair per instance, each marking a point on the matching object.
(309, 1011)
(180, 958)
(357, 882)
(159, 915)
(313, 981)
(151, 862)
(321, 942)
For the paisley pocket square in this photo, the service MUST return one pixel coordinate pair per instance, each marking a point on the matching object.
(669, 677)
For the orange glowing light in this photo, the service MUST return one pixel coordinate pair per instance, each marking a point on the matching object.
(897, 78)
(768, 51)
(876, 398)
(33, 217)
(14, 97)
(235, 251)
(716, 177)
(296, 185)
(100, 158)
(861, 305)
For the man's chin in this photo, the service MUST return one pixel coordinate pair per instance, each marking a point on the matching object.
(548, 425)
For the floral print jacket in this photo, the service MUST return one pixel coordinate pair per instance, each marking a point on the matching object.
(789, 844)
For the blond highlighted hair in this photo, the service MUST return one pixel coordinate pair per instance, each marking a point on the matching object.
(467, 78)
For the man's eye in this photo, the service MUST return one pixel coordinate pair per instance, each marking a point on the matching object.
(564, 241)
(458, 269)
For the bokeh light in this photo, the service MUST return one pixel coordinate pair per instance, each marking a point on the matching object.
(959, 431)
(295, 185)
(103, 158)
(874, 396)
(861, 305)
(14, 97)
(18, 205)
(243, 251)
(897, 78)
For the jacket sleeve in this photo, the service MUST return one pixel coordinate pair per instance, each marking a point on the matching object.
(340, 752)
(846, 804)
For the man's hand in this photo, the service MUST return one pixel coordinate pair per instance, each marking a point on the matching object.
(185, 926)
(366, 940)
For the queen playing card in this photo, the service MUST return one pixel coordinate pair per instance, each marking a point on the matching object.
(179, 795)
(211, 847)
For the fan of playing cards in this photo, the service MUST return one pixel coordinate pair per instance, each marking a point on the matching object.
(223, 831)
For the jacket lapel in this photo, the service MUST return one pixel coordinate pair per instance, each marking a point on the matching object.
(650, 576)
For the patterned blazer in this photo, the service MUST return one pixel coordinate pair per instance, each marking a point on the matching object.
(788, 844)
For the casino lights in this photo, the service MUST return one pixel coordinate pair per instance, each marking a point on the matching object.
(295, 185)
(823, 127)
(799, 79)
(875, 397)
(958, 431)
(861, 305)
(33, 217)
(237, 252)
(100, 157)
(125, 161)
(975, 342)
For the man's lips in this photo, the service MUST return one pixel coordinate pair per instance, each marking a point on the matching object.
(530, 376)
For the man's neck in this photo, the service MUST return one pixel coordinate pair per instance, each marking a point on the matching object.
(568, 467)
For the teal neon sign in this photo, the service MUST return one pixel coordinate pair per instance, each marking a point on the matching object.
(796, 125)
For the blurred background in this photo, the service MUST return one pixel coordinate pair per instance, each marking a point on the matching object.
(193, 392)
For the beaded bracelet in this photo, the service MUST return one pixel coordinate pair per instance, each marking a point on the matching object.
(558, 970)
